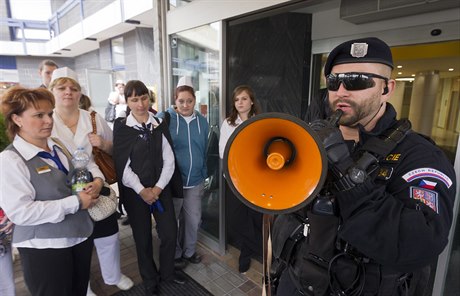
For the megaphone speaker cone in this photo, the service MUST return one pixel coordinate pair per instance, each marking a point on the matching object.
(272, 181)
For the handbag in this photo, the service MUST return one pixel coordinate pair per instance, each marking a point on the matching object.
(106, 204)
(110, 112)
(103, 160)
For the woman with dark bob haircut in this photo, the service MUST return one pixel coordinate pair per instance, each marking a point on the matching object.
(144, 162)
(52, 225)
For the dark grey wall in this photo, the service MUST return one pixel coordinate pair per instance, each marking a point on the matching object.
(272, 55)
(28, 68)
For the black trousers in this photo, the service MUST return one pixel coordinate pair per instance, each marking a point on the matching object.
(244, 226)
(57, 272)
(140, 220)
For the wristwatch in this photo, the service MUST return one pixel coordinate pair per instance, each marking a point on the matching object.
(357, 175)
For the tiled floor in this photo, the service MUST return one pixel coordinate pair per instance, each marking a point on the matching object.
(218, 274)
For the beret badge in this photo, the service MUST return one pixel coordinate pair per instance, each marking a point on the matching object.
(358, 50)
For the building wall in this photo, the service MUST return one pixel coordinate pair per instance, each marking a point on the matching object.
(144, 51)
(129, 40)
(89, 60)
(4, 30)
(28, 69)
(105, 58)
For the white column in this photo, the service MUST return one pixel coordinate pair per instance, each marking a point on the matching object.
(423, 101)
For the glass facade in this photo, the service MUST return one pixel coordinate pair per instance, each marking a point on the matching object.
(196, 53)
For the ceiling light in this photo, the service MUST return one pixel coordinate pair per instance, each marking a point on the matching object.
(405, 79)
(66, 49)
(399, 66)
(451, 69)
(399, 73)
(91, 39)
(413, 75)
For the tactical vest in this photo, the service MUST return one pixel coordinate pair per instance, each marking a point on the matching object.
(306, 243)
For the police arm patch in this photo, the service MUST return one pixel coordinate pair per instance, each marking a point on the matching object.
(428, 197)
(427, 173)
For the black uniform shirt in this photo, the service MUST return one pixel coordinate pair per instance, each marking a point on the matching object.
(401, 219)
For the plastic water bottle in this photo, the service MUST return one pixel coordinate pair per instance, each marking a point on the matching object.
(80, 175)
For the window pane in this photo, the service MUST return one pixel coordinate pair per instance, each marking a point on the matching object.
(118, 53)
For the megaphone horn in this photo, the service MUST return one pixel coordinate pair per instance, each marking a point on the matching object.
(279, 152)
(274, 163)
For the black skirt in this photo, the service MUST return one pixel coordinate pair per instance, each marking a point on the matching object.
(106, 227)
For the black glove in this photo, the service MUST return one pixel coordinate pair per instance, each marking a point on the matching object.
(332, 139)
(358, 172)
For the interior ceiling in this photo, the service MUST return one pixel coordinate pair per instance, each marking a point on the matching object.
(427, 57)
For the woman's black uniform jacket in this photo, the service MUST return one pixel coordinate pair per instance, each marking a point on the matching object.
(148, 162)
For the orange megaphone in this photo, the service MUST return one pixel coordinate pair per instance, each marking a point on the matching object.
(274, 164)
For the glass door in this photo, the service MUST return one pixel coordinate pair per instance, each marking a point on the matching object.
(196, 53)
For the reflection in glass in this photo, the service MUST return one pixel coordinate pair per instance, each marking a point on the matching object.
(118, 53)
(195, 54)
(177, 3)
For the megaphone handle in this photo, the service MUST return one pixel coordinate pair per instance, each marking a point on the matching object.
(267, 222)
(335, 117)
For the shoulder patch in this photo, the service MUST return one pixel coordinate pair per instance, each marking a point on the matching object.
(427, 173)
(428, 197)
(427, 184)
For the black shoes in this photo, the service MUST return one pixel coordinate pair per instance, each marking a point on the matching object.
(179, 263)
(152, 291)
(179, 279)
(244, 264)
(194, 259)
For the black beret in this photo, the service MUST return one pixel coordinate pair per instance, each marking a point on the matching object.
(366, 50)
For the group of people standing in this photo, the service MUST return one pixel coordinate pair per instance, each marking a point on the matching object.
(53, 231)
(376, 228)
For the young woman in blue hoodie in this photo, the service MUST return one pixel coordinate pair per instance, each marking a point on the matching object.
(189, 131)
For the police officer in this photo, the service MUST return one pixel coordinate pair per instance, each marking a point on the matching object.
(385, 211)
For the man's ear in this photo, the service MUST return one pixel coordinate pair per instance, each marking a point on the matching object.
(388, 89)
(385, 90)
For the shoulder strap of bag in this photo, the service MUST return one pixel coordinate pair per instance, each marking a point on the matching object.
(167, 117)
(382, 145)
(63, 147)
(93, 121)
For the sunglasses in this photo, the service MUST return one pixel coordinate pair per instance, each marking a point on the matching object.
(352, 80)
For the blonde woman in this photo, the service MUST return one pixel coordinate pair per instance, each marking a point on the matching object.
(73, 126)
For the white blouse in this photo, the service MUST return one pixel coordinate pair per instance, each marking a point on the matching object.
(130, 179)
(80, 139)
(226, 130)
